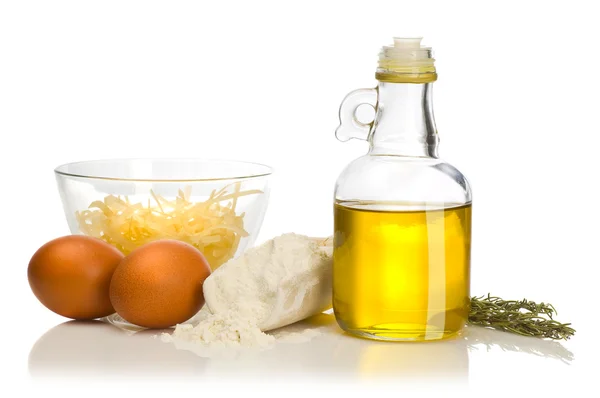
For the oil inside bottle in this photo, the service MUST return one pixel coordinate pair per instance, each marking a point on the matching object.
(401, 271)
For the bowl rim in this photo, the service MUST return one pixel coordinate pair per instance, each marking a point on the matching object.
(268, 170)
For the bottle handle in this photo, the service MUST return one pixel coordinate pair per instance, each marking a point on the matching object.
(350, 127)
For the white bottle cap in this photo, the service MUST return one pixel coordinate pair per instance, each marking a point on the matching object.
(406, 57)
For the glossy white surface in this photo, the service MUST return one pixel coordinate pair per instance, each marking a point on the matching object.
(78, 353)
(516, 106)
(91, 348)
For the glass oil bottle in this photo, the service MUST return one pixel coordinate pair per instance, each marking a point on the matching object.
(402, 216)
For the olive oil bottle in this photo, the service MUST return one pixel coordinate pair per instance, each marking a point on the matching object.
(402, 216)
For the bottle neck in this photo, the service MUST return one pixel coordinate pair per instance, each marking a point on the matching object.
(404, 124)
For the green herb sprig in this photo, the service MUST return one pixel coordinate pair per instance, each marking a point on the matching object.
(524, 317)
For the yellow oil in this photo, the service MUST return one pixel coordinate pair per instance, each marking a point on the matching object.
(401, 273)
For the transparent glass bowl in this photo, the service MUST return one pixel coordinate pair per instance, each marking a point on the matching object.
(216, 205)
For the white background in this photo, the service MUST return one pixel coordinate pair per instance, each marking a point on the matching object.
(515, 104)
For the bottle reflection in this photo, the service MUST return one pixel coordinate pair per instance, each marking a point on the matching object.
(435, 359)
(442, 359)
(447, 359)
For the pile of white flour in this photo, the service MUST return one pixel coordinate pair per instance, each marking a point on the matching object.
(280, 282)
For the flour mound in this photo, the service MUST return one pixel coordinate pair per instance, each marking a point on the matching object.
(282, 281)
(278, 283)
(228, 330)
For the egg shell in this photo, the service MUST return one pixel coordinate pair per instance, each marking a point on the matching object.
(71, 276)
(159, 284)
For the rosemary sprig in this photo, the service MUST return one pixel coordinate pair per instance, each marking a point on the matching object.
(524, 317)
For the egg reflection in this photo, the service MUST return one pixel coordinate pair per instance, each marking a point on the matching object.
(96, 348)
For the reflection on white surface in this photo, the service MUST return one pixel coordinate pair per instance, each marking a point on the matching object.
(101, 349)
(98, 349)
(477, 338)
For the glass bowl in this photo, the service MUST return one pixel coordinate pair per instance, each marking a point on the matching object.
(218, 206)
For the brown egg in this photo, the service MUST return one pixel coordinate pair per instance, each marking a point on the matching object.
(159, 284)
(71, 276)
